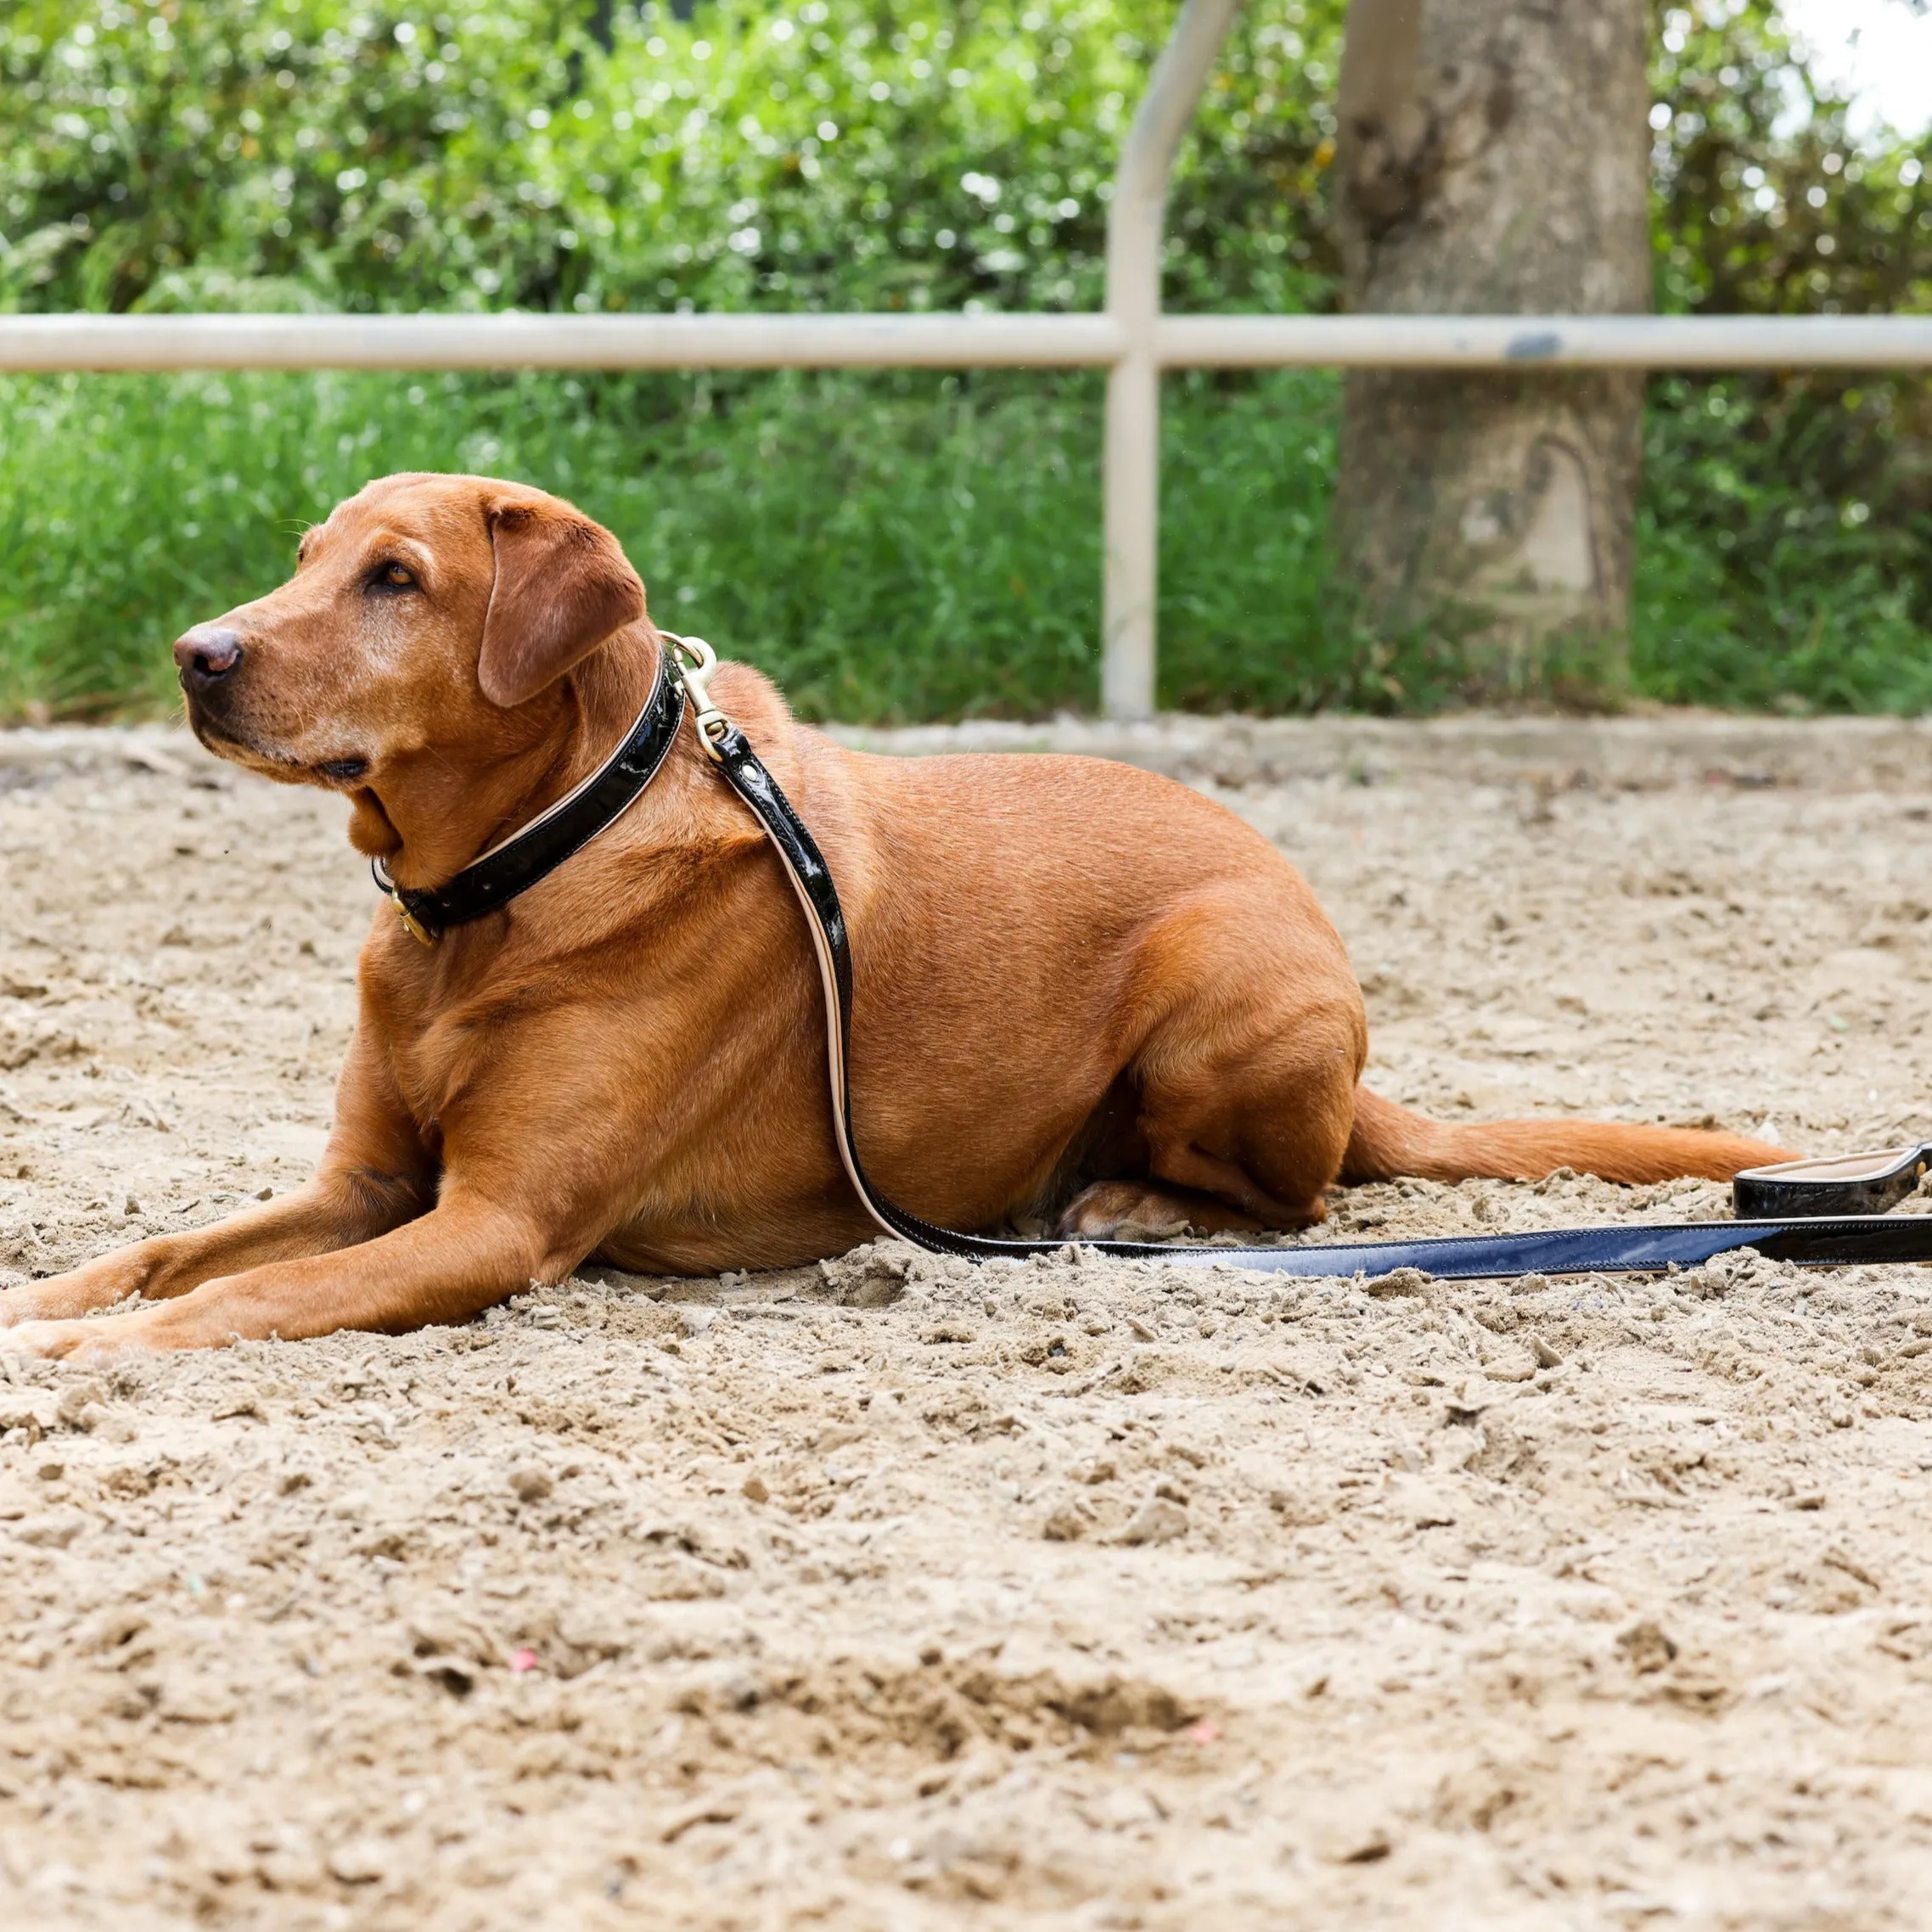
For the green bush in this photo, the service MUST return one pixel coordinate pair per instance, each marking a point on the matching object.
(840, 155)
(1786, 517)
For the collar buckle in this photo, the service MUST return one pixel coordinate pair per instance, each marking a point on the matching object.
(410, 924)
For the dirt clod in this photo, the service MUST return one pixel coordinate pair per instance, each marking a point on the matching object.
(1158, 1520)
(1647, 1648)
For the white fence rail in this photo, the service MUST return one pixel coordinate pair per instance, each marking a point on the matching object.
(1546, 341)
(558, 341)
(48, 343)
(1130, 340)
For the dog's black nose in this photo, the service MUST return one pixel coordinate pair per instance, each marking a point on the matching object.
(206, 654)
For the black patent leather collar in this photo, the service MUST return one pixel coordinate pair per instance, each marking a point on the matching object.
(567, 827)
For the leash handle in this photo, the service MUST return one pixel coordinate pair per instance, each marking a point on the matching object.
(1830, 1240)
(1833, 1183)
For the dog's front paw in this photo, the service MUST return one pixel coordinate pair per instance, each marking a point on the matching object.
(70, 1341)
(18, 1304)
(98, 1283)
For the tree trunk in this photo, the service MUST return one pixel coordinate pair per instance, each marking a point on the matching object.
(1493, 159)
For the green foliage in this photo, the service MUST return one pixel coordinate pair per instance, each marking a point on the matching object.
(1764, 577)
(903, 547)
(841, 153)
(1764, 204)
(311, 145)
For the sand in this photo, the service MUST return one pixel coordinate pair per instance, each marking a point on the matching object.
(893, 1594)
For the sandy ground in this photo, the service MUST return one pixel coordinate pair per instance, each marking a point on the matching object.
(898, 1594)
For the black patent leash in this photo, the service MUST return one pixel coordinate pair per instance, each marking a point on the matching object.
(1814, 1239)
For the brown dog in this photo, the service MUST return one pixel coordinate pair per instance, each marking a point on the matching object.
(1082, 991)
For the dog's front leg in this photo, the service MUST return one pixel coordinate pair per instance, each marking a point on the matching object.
(536, 1172)
(374, 1176)
(462, 1256)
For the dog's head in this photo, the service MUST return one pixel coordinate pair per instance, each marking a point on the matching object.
(420, 640)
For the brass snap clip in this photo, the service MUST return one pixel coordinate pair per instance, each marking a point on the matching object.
(694, 662)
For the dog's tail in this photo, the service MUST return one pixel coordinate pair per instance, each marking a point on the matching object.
(1388, 1141)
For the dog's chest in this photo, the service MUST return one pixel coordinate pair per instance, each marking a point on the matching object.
(442, 1062)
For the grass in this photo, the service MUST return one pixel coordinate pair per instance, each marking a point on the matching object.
(896, 547)
(1782, 546)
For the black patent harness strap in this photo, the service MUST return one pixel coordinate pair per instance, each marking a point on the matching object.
(1836, 1241)
(567, 827)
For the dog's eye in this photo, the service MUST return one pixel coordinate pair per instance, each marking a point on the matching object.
(392, 577)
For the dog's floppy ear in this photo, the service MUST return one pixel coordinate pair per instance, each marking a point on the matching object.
(562, 586)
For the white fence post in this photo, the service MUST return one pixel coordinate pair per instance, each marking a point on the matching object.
(1130, 472)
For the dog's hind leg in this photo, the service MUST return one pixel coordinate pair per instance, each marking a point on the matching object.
(1245, 1080)
(1142, 1210)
